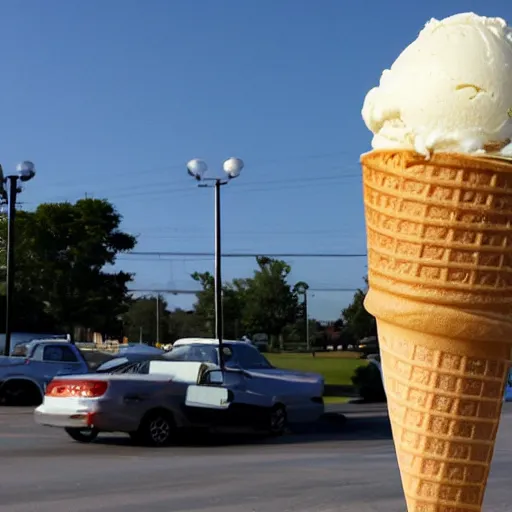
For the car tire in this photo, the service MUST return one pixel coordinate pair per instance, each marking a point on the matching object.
(156, 429)
(20, 393)
(278, 420)
(82, 435)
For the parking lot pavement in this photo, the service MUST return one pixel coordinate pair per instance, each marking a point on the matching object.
(335, 466)
(359, 410)
(15, 411)
(298, 472)
(344, 408)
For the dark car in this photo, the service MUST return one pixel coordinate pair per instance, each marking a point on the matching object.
(368, 346)
(121, 363)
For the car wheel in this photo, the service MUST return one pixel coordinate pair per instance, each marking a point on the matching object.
(278, 420)
(82, 435)
(156, 429)
(20, 393)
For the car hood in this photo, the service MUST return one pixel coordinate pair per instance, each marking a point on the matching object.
(279, 373)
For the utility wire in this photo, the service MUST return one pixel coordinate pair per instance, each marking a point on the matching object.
(173, 186)
(202, 231)
(193, 292)
(247, 255)
(181, 166)
(169, 190)
(261, 186)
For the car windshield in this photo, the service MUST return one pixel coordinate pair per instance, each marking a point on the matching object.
(197, 353)
(112, 363)
(236, 355)
(249, 357)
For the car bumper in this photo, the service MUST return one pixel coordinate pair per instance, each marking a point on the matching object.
(63, 420)
(56, 413)
(81, 413)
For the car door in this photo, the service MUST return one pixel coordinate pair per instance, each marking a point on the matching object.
(249, 359)
(280, 386)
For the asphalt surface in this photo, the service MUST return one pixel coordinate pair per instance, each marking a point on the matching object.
(339, 465)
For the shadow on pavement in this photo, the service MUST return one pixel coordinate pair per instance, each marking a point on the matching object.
(331, 428)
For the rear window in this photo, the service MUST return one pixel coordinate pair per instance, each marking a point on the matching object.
(59, 354)
(20, 350)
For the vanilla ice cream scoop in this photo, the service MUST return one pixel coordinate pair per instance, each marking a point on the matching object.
(450, 90)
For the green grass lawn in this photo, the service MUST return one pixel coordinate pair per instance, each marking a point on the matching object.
(336, 399)
(336, 367)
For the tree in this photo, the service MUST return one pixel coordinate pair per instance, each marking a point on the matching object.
(358, 323)
(141, 319)
(186, 324)
(295, 332)
(61, 251)
(270, 302)
(233, 303)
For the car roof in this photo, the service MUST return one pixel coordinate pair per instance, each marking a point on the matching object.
(206, 341)
(139, 348)
(47, 341)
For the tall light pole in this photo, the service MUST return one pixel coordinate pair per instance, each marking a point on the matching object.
(197, 169)
(24, 172)
(157, 319)
(306, 319)
(302, 289)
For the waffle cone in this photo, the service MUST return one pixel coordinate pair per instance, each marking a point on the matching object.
(440, 285)
(444, 399)
(440, 230)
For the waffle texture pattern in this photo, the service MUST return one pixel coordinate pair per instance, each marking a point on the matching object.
(440, 228)
(444, 410)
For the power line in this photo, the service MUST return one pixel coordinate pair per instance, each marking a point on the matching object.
(169, 189)
(169, 259)
(250, 187)
(287, 160)
(353, 239)
(193, 292)
(189, 234)
(166, 290)
(247, 255)
(201, 230)
(333, 289)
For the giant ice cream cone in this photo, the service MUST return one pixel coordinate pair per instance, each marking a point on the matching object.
(440, 275)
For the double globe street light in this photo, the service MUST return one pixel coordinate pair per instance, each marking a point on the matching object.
(25, 171)
(197, 168)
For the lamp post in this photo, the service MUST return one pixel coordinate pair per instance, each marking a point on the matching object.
(157, 319)
(302, 289)
(197, 169)
(25, 171)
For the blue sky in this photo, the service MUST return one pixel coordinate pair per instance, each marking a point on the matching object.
(111, 98)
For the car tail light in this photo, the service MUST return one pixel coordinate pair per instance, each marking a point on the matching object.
(66, 388)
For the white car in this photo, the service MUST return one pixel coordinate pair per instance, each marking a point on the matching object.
(150, 399)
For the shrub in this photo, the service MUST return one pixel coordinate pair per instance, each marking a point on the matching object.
(368, 381)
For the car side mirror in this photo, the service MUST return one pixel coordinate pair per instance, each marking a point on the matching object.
(215, 377)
